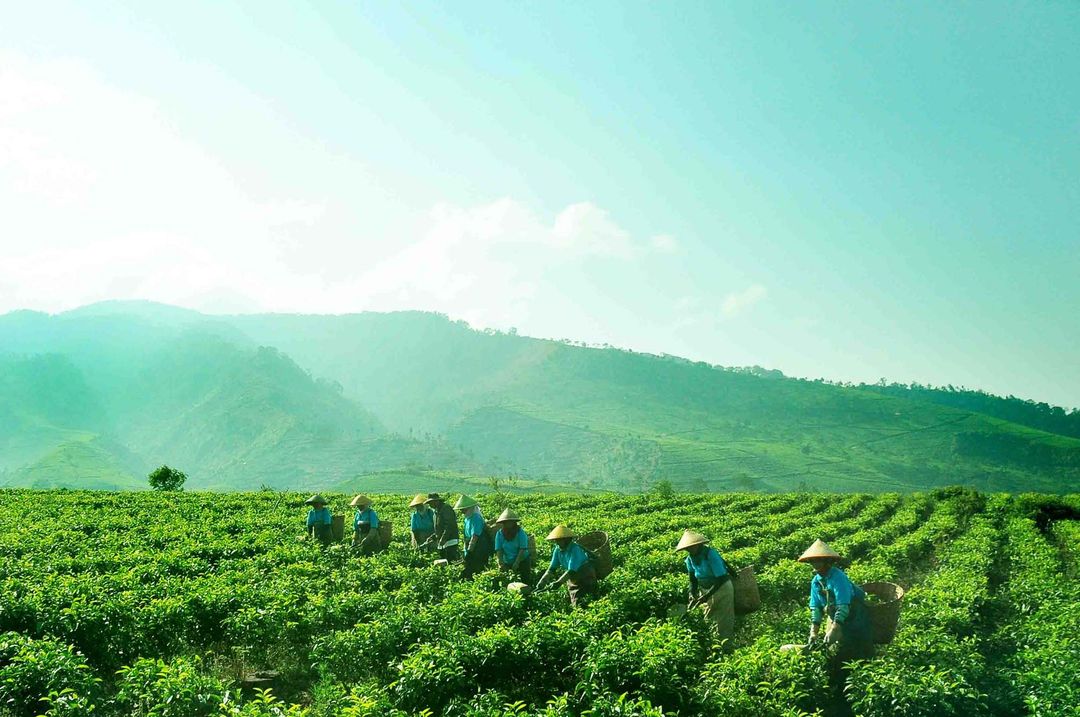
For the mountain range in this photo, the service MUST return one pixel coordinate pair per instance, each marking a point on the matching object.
(407, 401)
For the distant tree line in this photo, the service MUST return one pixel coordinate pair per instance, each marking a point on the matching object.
(1052, 419)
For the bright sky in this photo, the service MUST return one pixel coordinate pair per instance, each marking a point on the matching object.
(846, 190)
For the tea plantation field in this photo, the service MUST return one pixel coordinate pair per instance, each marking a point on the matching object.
(177, 604)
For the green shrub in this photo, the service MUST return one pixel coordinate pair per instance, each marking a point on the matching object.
(38, 672)
(761, 681)
(180, 688)
(658, 661)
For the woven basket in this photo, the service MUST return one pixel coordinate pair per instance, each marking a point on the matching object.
(747, 597)
(597, 543)
(884, 614)
(386, 532)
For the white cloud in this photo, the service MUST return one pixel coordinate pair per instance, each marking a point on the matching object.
(587, 229)
(488, 263)
(737, 303)
(665, 243)
(102, 196)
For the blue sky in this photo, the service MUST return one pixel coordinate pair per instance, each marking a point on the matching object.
(846, 190)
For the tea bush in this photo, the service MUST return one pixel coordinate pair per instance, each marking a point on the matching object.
(165, 604)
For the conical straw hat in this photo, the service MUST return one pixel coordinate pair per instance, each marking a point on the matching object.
(560, 531)
(819, 550)
(464, 502)
(360, 500)
(432, 497)
(315, 499)
(689, 539)
(508, 515)
(420, 499)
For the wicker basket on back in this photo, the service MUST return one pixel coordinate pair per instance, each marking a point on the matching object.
(747, 597)
(386, 532)
(884, 609)
(598, 545)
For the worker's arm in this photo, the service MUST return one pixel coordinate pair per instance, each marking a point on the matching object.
(522, 552)
(817, 609)
(693, 593)
(562, 578)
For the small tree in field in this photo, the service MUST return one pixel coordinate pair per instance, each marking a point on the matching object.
(166, 478)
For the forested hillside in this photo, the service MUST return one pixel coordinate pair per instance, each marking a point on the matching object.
(1035, 414)
(109, 391)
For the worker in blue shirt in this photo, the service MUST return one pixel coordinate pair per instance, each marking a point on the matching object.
(421, 522)
(512, 546)
(579, 574)
(365, 526)
(710, 583)
(319, 519)
(833, 594)
(478, 547)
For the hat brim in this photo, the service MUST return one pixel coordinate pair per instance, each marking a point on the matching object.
(812, 558)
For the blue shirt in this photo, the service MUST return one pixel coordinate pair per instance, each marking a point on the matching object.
(572, 559)
(474, 525)
(319, 517)
(835, 590)
(511, 548)
(366, 515)
(708, 567)
(422, 520)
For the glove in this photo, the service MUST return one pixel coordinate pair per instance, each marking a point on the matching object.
(815, 628)
(835, 634)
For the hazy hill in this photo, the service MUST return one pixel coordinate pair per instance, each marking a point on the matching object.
(611, 418)
(127, 395)
(359, 399)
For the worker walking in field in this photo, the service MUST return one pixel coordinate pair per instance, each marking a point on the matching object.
(512, 546)
(832, 594)
(579, 574)
(319, 520)
(710, 583)
(365, 526)
(478, 547)
(445, 538)
(421, 522)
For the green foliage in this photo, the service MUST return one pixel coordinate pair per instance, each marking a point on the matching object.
(659, 661)
(764, 681)
(179, 688)
(263, 704)
(166, 478)
(36, 672)
(663, 489)
(115, 607)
